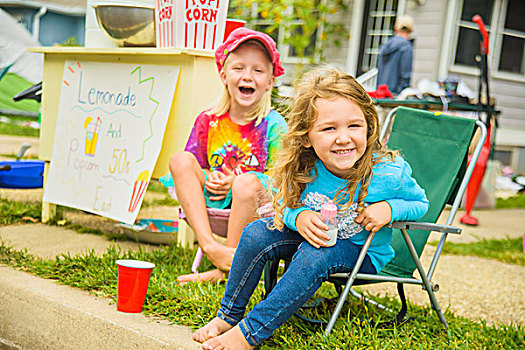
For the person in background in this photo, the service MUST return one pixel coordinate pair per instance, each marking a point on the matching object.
(395, 57)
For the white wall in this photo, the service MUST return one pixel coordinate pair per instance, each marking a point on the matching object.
(429, 20)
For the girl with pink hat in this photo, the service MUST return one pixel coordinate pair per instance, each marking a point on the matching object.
(231, 147)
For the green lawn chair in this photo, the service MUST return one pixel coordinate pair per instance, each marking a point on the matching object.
(436, 146)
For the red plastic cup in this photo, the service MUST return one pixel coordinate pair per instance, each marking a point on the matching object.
(231, 25)
(132, 284)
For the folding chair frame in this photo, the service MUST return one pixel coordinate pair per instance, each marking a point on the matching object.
(426, 277)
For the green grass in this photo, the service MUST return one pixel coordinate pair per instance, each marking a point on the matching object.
(166, 201)
(83, 229)
(157, 187)
(517, 201)
(10, 85)
(509, 250)
(13, 212)
(195, 304)
(89, 230)
(18, 130)
(10, 156)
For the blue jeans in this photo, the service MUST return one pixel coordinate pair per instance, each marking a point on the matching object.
(309, 268)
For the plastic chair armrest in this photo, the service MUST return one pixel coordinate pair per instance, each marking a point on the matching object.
(425, 226)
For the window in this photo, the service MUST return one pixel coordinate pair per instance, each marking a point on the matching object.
(513, 39)
(504, 156)
(378, 25)
(504, 21)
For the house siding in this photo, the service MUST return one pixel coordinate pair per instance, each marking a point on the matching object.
(429, 21)
(509, 95)
(336, 55)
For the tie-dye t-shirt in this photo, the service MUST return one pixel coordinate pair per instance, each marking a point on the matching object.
(217, 140)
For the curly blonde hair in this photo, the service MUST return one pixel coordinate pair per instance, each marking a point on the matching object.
(293, 168)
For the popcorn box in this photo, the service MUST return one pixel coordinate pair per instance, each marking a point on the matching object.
(200, 23)
(192, 24)
(165, 23)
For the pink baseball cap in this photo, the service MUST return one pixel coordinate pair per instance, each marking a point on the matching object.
(240, 35)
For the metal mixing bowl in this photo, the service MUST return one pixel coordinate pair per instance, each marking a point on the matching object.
(127, 25)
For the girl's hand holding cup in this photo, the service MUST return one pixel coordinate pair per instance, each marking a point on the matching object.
(310, 225)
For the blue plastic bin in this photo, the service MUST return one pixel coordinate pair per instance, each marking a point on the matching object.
(22, 174)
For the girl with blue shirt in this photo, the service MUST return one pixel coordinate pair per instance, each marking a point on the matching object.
(332, 151)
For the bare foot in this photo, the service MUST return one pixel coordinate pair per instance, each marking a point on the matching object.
(212, 275)
(212, 329)
(231, 340)
(219, 255)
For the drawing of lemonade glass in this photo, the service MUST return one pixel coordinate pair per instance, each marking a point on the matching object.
(91, 135)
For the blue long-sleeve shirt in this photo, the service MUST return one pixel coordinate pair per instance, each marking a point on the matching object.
(391, 182)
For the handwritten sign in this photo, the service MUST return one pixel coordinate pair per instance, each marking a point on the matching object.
(110, 125)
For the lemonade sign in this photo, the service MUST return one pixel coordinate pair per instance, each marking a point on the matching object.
(110, 125)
